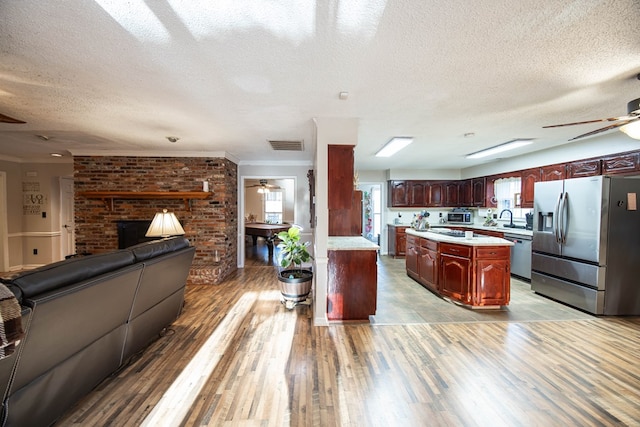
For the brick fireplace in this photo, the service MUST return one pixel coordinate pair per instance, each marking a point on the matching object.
(210, 224)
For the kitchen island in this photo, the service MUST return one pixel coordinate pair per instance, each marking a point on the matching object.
(471, 271)
(352, 278)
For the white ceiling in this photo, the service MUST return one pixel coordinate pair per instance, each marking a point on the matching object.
(227, 76)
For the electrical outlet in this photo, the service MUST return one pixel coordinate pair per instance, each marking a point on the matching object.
(35, 252)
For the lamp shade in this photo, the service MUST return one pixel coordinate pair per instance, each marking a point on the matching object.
(164, 224)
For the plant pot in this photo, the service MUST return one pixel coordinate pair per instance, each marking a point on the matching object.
(295, 285)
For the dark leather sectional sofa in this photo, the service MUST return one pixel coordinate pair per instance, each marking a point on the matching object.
(84, 318)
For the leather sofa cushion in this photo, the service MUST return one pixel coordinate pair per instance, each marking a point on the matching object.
(59, 274)
(147, 250)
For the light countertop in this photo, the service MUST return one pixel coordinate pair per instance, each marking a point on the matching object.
(350, 243)
(474, 241)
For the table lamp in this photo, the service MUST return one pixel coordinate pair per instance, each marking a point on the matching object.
(164, 224)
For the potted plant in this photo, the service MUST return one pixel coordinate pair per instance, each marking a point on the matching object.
(295, 282)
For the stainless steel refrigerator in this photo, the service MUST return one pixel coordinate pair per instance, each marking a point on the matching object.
(586, 243)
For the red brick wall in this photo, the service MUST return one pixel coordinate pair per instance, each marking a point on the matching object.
(210, 224)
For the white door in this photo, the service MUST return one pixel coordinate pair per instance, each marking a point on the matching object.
(67, 224)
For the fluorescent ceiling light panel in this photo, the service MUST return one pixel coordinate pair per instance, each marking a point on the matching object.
(393, 146)
(510, 145)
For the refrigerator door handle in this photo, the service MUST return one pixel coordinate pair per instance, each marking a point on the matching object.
(563, 214)
(556, 219)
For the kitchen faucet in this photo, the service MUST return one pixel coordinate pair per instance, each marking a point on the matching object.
(510, 217)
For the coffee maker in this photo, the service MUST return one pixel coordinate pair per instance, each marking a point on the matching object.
(529, 218)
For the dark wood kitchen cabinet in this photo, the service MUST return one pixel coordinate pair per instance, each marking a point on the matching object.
(411, 258)
(418, 193)
(492, 284)
(478, 189)
(352, 285)
(397, 240)
(591, 167)
(340, 176)
(436, 194)
(428, 264)
(553, 172)
(465, 192)
(455, 272)
(398, 194)
(529, 178)
(451, 194)
(475, 275)
(622, 164)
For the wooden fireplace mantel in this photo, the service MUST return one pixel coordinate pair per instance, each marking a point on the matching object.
(109, 196)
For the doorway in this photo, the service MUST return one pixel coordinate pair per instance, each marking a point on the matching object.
(371, 210)
(67, 222)
(267, 199)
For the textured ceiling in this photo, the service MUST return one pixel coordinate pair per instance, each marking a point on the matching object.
(227, 76)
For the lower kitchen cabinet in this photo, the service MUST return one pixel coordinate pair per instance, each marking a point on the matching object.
(411, 256)
(397, 240)
(474, 275)
(352, 284)
(428, 263)
(492, 276)
(455, 272)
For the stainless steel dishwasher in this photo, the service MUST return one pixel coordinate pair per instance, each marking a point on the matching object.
(520, 255)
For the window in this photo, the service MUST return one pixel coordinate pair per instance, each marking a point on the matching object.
(273, 202)
(507, 194)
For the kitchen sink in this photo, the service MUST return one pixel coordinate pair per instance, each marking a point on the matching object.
(514, 226)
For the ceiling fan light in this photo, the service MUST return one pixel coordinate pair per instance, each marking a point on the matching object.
(632, 129)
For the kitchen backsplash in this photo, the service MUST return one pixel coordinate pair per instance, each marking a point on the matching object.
(439, 216)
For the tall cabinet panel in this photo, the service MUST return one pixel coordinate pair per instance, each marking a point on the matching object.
(345, 206)
(340, 183)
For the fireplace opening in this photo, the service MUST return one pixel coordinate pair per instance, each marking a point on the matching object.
(133, 232)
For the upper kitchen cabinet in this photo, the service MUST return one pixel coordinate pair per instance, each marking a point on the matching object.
(465, 192)
(621, 164)
(591, 167)
(436, 194)
(451, 194)
(398, 194)
(529, 178)
(415, 194)
(418, 193)
(553, 172)
(478, 191)
(340, 183)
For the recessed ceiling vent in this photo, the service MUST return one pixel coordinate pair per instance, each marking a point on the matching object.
(287, 145)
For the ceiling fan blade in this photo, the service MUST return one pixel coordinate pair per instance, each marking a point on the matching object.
(604, 129)
(7, 119)
(610, 119)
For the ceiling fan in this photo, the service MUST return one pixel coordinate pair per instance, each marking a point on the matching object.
(7, 119)
(264, 186)
(628, 124)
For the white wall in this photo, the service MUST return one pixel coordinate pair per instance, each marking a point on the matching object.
(27, 232)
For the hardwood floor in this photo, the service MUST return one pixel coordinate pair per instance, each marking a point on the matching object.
(237, 356)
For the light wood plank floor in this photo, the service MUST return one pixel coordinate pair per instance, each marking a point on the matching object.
(455, 367)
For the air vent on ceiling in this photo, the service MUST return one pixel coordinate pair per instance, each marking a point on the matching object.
(287, 145)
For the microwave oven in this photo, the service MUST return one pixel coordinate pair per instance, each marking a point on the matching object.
(459, 217)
